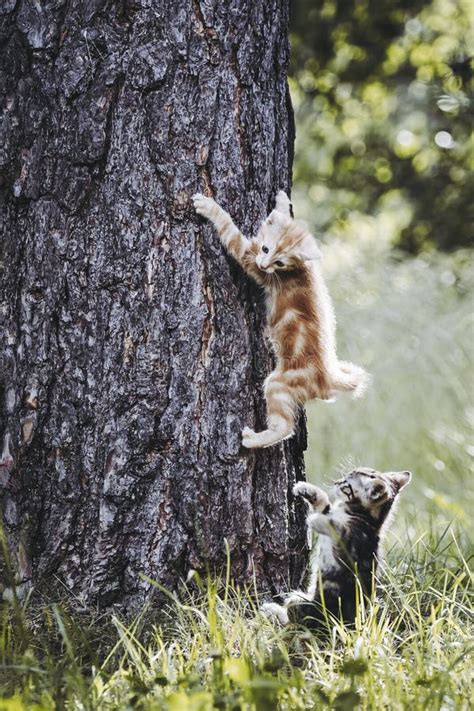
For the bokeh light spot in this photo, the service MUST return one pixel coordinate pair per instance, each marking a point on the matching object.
(443, 139)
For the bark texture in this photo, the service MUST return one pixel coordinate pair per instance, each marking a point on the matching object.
(133, 349)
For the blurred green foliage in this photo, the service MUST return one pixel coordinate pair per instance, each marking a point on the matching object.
(410, 323)
(381, 90)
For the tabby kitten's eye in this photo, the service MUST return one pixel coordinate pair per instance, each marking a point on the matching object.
(279, 263)
(264, 249)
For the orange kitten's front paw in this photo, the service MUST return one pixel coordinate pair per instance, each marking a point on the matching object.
(203, 205)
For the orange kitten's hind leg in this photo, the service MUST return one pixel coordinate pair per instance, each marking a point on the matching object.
(281, 408)
(257, 440)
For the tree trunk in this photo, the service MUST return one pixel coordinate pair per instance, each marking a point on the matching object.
(133, 348)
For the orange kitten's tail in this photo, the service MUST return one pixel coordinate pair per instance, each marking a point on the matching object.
(350, 378)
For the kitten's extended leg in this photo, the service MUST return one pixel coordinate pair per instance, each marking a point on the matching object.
(318, 502)
(281, 407)
(298, 604)
(233, 240)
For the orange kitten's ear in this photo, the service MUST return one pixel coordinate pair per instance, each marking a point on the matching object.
(308, 248)
(282, 203)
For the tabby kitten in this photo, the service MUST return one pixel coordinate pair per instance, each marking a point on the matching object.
(282, 258)
(344, 562)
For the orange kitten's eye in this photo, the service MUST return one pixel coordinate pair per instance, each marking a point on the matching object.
(264, 249)
(279, 263)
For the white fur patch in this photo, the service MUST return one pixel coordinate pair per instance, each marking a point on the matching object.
(274, 611)
(300, 342)
(288, 316)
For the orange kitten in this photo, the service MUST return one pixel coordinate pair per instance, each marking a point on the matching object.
(282, 258)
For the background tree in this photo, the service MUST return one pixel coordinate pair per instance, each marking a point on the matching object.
(384, 102)
(133, 350)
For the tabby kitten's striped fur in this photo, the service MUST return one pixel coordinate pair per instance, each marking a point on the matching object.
(346, 558)
(283, 259)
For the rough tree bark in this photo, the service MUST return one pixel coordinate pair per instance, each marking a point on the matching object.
(133, 349)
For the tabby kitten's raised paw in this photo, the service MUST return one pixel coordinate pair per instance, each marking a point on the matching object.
(316, 498)
(282, 258)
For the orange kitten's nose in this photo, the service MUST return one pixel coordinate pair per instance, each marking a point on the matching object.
(263, 264)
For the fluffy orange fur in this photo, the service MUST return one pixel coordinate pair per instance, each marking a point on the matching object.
(284, 259)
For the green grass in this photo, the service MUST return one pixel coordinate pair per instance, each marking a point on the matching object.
(409, 324)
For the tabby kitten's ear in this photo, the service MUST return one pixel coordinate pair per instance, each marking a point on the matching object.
(379, 492)
(308, 248)
(400, 479)
(282, 203)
